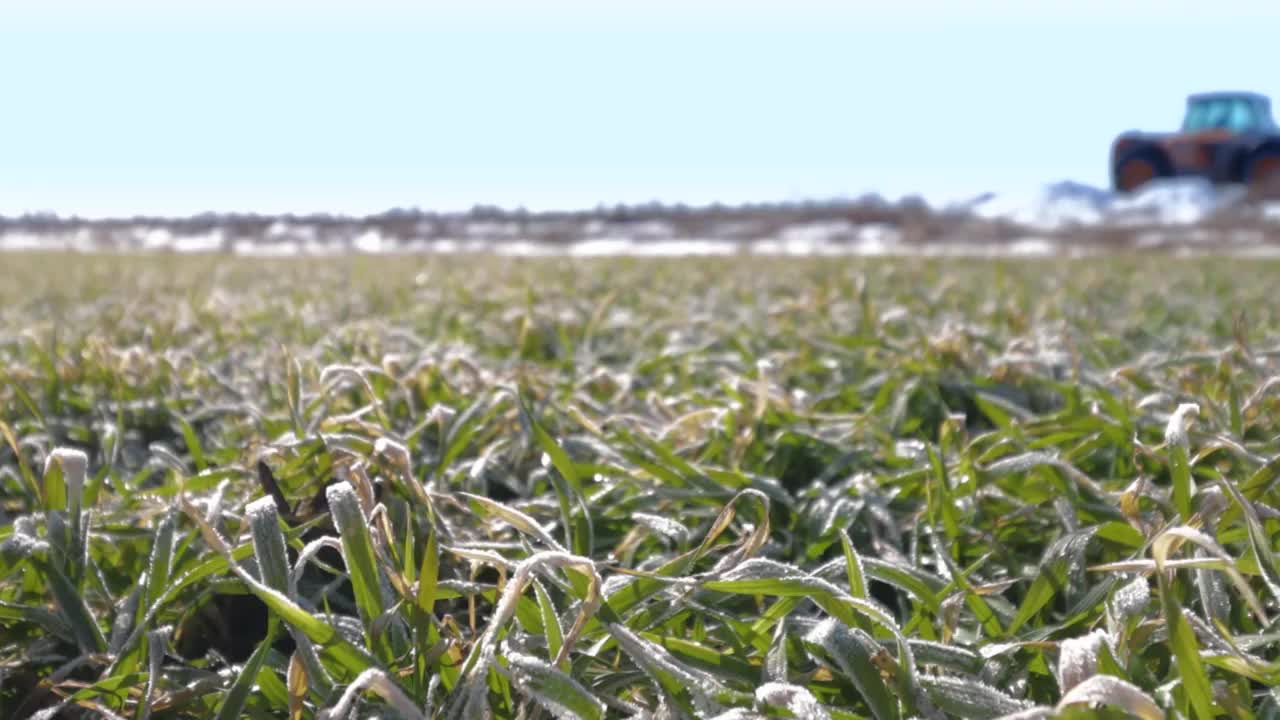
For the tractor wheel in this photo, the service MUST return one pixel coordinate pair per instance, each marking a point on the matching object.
(1262, 172)
(1139, 167)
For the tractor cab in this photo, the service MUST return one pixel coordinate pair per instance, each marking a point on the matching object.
(1236, 112)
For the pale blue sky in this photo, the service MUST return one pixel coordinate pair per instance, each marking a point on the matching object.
(145, 107)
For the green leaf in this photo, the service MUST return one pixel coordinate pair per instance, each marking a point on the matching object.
(158, 568)
(429, 574)
(192, 440)
(73, 608)
(1259, 539)
(268, 543)
(55, 487)
(564, 696)
(1186, 652)
(1180, 472)
(856, 653)
(550, 623)
(361, 561)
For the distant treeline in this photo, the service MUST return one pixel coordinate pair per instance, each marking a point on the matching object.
(866, 209)
(911, 218)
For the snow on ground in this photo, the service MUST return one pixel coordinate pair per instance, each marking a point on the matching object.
(1062, 205)
(1052, 219)
(1053, 207)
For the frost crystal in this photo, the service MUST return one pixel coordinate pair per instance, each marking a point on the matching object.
(1131, 599)
(1078, 659)
(794, 698)
(1175, 433)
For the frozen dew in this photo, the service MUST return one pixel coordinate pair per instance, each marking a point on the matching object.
(1175, 432)
(1078, 659)
(796, 699)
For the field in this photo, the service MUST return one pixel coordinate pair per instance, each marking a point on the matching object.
(733, 487)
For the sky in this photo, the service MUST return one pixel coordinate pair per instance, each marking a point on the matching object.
(143, 107)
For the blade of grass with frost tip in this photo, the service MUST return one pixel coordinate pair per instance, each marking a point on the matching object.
(268, 543)
(551, 688)
(314, 627)
(65, 472)
(362, 566)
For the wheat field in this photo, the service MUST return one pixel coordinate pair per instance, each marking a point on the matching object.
(734, 487)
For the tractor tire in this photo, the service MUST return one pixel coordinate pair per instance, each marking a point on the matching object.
(1262, 172)
(1138, 167)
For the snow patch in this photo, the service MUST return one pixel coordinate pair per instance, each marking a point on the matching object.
(1061, 205)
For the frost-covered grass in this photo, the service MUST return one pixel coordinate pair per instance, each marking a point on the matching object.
(725, 487)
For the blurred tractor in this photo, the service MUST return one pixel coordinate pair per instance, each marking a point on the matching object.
(1228, 138)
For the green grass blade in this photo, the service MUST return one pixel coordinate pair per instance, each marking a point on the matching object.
(362, 564)
(553, 689)
(1186, 653)
(550, 623)
(71, 604)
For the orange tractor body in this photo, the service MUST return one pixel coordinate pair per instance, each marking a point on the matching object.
(1226, 138)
